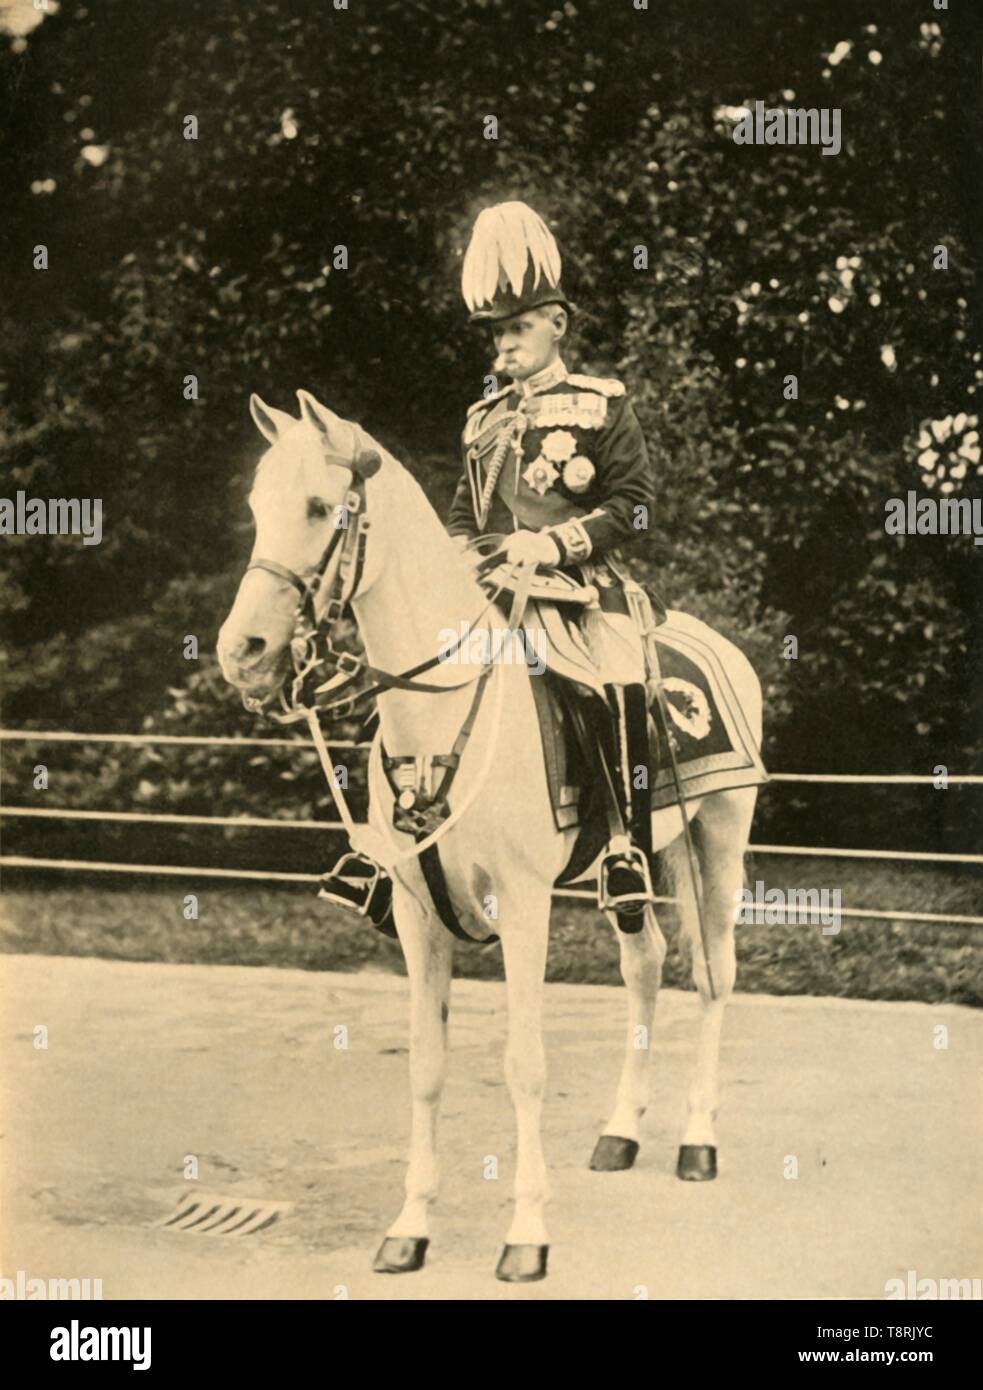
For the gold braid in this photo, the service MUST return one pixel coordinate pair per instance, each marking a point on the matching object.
(511, 437)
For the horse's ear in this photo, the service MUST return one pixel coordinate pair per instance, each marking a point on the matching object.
(270, 422)
(324, 420)
(339, 437)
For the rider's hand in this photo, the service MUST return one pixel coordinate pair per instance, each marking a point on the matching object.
(532, 547)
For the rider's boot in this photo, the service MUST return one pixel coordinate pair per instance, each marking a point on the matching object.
(624, 879)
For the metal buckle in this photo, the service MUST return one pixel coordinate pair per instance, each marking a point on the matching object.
(420, 820)
(347, 665)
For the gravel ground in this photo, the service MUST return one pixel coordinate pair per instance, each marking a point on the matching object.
(148, 1063)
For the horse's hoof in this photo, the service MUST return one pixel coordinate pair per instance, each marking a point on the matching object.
(401, 1254)
(612, 1154)
(697, 1162)
(522, 1264)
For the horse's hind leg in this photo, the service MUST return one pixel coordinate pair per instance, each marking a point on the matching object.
(642, 955)
(723, 828)
(428, 949)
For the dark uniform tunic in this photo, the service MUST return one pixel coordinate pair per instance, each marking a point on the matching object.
(574, 463)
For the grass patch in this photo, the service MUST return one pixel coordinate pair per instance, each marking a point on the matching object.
(288, 927)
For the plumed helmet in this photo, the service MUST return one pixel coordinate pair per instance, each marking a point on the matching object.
(512, 264)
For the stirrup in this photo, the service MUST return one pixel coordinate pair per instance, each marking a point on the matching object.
(358, 882)
(624, 883)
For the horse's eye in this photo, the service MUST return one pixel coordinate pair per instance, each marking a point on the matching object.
(316, 509)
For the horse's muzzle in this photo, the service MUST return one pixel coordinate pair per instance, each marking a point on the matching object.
(260, 677)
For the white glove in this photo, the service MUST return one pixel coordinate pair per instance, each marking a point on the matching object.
(532, 547)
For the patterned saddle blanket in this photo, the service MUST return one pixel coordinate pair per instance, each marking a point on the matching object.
(714, 747)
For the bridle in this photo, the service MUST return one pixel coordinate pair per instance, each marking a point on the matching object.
(320, 670)
(311, 648)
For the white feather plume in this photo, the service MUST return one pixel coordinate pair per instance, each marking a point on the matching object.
(505, 239)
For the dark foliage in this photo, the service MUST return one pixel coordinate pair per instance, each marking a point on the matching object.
(364, 127)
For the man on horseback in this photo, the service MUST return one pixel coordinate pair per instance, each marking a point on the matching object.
(556, 464)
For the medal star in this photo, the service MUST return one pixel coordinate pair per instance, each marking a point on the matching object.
(540, 475)
(559, 445)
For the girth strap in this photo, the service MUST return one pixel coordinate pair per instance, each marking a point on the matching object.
(433, 872)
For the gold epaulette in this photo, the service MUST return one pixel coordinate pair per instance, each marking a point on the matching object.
(605, 385)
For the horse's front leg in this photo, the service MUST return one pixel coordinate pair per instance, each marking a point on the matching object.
(524, 929)
(642, 956)
(428, 948)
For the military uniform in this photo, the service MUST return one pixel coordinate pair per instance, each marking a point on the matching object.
(578, 468)
(575, 466)
(564, 455)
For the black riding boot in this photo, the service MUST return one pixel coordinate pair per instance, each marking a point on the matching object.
(624, 880)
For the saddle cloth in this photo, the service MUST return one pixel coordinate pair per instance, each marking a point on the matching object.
(715, 750)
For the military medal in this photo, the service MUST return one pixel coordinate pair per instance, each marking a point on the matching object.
(586, 410)
(559, 445)
(540, 475)
(578, 474)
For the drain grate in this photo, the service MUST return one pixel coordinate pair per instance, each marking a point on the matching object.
(208, 1214)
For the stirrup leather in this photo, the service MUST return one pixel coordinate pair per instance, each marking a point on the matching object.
(358, 882)
(624, 883)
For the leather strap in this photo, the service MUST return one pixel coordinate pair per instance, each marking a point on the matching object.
(660, 699)
(433, 872)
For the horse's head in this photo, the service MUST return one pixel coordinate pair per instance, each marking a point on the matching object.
(298, 505)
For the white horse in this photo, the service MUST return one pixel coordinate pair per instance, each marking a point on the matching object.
(503, 847)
